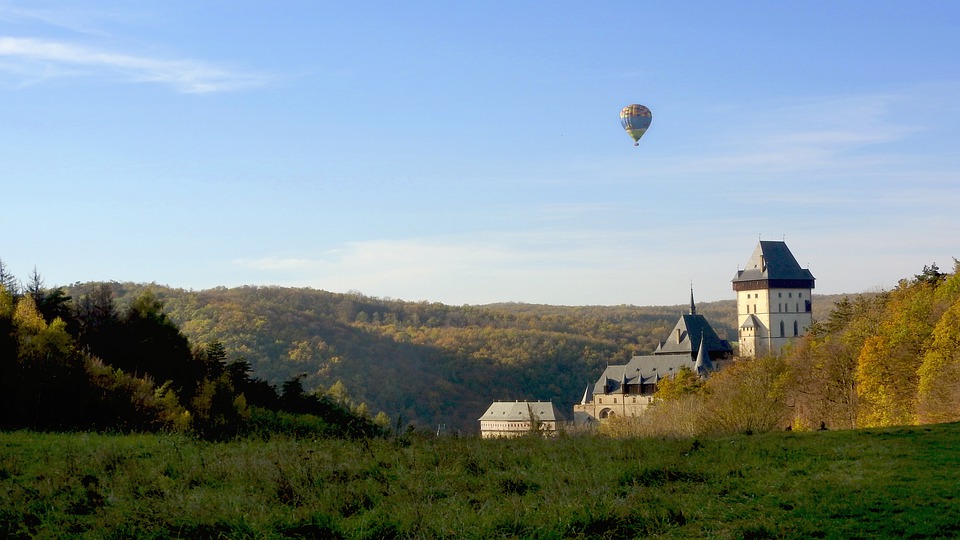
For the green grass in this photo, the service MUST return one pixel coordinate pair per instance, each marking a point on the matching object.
(893, 483)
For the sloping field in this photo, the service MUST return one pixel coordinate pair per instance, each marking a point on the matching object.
(894, 483)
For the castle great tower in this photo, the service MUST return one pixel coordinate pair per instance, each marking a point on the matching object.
(774, 303)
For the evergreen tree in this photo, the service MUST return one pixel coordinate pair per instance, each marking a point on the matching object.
(150, 343)
(99, 322)
(8, 281)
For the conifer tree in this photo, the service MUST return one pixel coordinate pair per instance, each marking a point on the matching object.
(8, 281)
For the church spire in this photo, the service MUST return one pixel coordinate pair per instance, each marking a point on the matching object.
(693, 305)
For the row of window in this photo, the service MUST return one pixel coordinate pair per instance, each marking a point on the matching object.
(796, 329)
(779, 295)
(508, 426)
(781, 308)
(784, 308)
(783, 330)
(600, 400)
(644, 389)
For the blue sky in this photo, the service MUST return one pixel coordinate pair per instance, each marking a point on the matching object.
(471, 152)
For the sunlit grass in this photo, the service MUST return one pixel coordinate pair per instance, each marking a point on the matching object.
(874, 483)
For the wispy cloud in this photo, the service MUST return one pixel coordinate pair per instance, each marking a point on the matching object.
(528, 266)
(835, 133)
(38, 59)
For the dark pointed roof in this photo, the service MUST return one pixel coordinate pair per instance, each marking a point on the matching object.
(693, 344)
(704, 365)
(772, 265)
(686, 336)
(690, 333)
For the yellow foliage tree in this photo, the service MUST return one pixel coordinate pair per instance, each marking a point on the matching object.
(39, 341)
(938, 392)
(747, 396)
(684, 383)
(889, 360)
(6, 303)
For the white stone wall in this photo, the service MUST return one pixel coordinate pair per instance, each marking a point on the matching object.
(771, 307)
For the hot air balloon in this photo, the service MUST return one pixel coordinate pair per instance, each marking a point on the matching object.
(635, 119)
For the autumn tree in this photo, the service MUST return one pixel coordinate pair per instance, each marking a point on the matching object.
(219, 411)
(887, 367)
(684, 383)
(749, 395)
(823, 364)
(938, 389)
(48, 373)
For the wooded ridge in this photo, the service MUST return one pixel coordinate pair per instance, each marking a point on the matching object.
(221, 360)
(429, 364)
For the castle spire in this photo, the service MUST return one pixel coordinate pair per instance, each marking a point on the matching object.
(693, 305)
(703, 365)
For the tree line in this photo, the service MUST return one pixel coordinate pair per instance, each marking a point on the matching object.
(86, 363)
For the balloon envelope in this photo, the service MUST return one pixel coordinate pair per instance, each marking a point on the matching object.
(635, 119)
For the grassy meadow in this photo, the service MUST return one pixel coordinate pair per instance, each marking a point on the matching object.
(874, 483)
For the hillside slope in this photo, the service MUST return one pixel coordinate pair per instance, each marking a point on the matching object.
(420, 362)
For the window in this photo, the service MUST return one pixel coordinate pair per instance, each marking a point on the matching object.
(790, 295)
(796, 328)
(779, 295)
(782, 333)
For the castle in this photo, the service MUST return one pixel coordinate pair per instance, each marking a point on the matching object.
(771, 277)
(627, 390)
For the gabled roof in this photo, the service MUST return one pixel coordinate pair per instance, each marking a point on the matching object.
(772, 261)
(687, 334)
(519, 411)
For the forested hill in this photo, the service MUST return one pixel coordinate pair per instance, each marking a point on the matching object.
(426, 363)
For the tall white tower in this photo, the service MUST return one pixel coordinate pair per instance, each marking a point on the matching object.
(774, 303)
